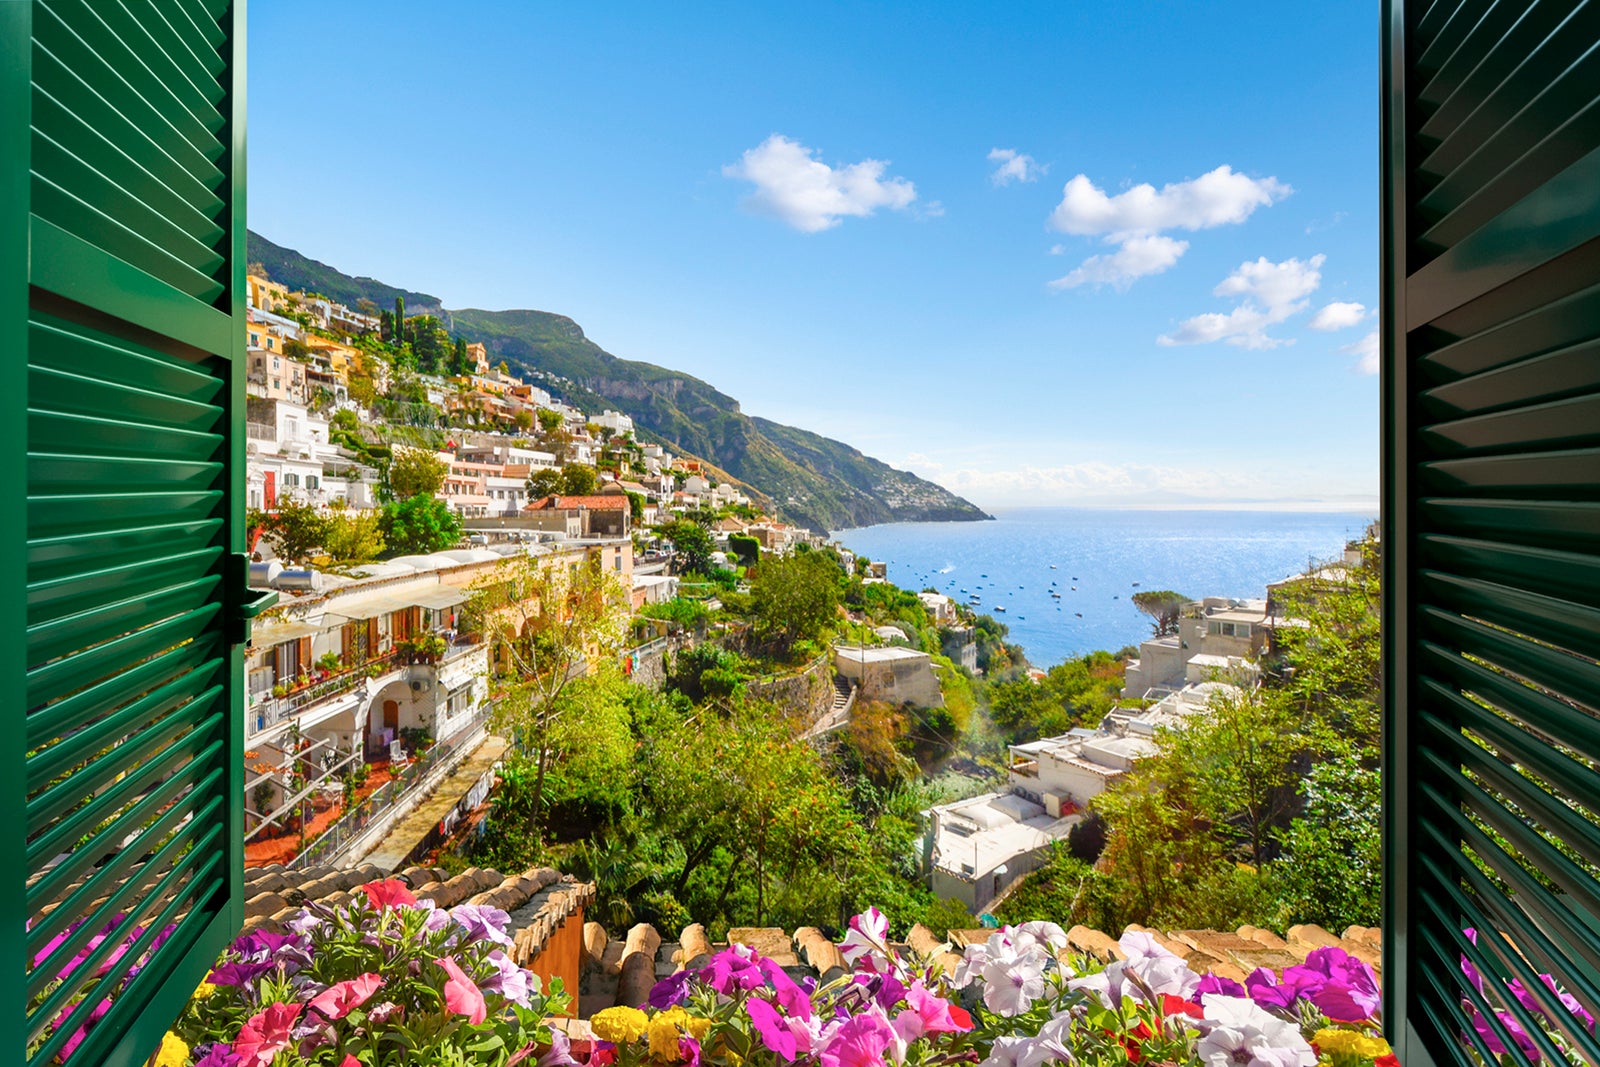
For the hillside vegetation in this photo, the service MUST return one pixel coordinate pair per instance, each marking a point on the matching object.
(815, 481)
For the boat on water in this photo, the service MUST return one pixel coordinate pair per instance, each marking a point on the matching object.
(1052, 566)
(999, 607)
(1136, 585)
(1079, 614)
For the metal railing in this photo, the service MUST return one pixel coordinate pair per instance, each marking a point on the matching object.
(272, 710)
(353, 823)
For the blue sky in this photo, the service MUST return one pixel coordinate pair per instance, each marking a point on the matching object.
(813, 208)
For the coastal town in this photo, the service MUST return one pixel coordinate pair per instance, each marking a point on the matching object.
(370, 713)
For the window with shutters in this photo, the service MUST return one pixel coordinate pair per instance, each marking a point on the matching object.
(1492, 529)
(121, 204)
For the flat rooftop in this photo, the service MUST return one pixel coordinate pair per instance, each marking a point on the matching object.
(994, 828)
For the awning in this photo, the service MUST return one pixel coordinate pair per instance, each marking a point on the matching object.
(278, 633)
(370, 607)
(444, 596)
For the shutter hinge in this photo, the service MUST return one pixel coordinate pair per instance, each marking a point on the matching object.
(243, 603)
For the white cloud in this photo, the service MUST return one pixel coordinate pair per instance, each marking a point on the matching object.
(1134, 219)
(1138, 256)
(1268, 294)
(1216, 198)
(1014, 167)
(1367, 351)
(1337, 316)
(794, 186)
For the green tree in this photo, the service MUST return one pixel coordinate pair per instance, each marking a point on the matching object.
(1331, 871)
(294, 529)
(691, 546)
(418, 525)
(548, 627)
(399, 335)
(460, 364)
(1331, 663)
(577, 479)
(635, 507)
(545, 481)
(549, 421)
(1237, 759)
(1163, 606)
(746, 547)
(415, 472)
(354, 536)
(795, 597)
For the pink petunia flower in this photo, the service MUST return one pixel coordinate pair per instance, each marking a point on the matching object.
(461, 995)
(928, 1013)
(860, 1042)
(266, 1034)
(339, 999)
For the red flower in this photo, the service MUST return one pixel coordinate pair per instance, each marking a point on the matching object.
(390, 893)
(1388, 1059)
(265, 1035)
(339, 999)
(1171, 1005)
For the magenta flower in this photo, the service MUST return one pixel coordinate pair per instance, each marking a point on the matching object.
(560, 1052)
(673, 989)
(791, 997)
(220, 1054)
(688, 1052)
(1514, 1028)
(1266, 990)
(339, 999)
(1349, 990)
(771, 1028)
(70, 1016)
(734, 968)
(461, 994)
(1212, 983)
(1568, 1001)
(266, 1034)
(859, 1042)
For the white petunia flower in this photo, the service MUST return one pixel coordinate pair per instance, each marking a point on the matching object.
(1242, 1035)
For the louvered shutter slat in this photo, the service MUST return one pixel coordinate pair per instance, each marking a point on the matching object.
(126, 570)
(1492, 524)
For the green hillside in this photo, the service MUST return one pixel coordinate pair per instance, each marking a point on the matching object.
(814, 481)
(308, 275)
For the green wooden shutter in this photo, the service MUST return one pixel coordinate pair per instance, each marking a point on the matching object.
(122, 213)
(1492, 521)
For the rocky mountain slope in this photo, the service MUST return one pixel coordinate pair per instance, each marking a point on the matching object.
(815, 481)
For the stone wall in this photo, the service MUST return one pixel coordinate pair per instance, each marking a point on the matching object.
(807, 693)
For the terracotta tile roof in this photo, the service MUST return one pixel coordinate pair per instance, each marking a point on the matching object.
(538, 900)
(622, 971)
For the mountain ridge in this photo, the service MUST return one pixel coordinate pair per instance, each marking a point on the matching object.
(813, 480)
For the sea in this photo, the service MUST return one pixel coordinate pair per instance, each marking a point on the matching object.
(1097, 559)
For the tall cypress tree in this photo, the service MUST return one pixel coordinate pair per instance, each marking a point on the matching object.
(399, 320)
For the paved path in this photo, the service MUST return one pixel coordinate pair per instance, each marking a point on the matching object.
(392, 852)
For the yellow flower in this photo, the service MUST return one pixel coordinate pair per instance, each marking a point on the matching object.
(172, 1053)
(665, 1032)
(204, 990)
(619, 1025)
(698, 1027)
(1351, 1043)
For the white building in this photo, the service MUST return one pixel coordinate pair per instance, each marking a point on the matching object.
(979, 848)
(615, 421)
